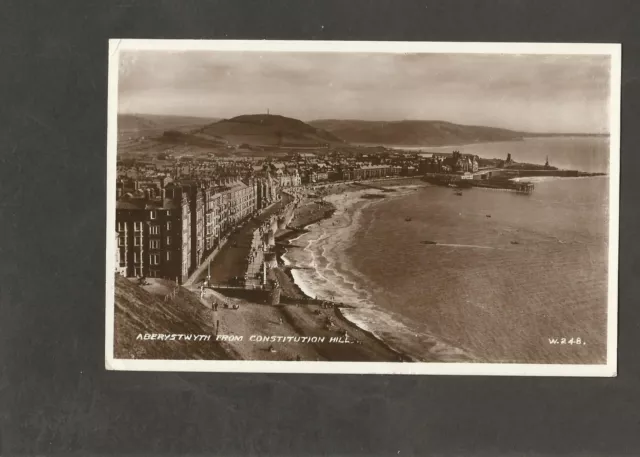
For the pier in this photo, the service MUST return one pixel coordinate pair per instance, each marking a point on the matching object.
(525, 188)
(495, 179)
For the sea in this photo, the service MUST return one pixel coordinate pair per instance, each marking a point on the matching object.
(510, 275)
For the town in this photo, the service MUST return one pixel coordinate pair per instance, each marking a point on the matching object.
(172, 213)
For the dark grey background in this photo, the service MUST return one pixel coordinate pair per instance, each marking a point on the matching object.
(56, 398)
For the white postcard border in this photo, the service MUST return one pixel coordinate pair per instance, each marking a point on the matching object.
(477, 369)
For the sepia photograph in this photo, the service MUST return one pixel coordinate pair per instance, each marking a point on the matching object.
(363, 207)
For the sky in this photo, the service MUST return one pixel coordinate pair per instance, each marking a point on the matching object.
(535, 93)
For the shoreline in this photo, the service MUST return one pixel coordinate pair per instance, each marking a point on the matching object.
(283, 244)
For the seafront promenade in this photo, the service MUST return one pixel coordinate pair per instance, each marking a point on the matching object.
(228, 261)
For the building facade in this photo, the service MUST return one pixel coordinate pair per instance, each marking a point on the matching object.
(154, 237)
(167, 232)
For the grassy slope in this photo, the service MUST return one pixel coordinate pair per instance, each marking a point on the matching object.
(427, 133)
(262, 129)
(154, 122)
(138, 312)
(154, 134)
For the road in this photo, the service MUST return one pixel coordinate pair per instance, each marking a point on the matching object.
(230, 261)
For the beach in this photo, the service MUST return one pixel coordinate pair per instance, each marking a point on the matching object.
(317, 266)
(257, 323)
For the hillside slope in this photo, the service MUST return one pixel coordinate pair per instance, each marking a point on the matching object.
(138, 312)
(158, 123)
(413, 133)
(267, 130)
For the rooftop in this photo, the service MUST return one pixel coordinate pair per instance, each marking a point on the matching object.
(146, 203)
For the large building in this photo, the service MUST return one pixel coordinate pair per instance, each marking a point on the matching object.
(154, 234)
(369, 172)
(168, 231)
(454, 162)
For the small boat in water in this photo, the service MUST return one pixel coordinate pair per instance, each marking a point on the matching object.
(407, 219)
(488, 215)
(428, 242)
(459, 193)
(515, 242)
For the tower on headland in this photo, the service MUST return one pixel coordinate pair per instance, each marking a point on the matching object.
(546, 164)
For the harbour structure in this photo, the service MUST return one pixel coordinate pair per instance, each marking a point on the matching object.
(525, 188)
(488, 178)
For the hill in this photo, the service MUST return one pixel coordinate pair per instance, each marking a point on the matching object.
(134, 123)
(156, 123)
(138, 311)
(266, 130)
(414, 133)
(140, 133)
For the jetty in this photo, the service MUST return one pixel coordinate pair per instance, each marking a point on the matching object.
(506, 185)
(492, 179)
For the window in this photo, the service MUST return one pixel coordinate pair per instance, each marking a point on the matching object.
(136, 241)
(154, 230)
(153, 214)
(137, 271)
(154, 244)
(168, 212)
(168, 255)
(135, 257)
(154, 259)
(168, 225)
(153, 273)
(121, 241)
(137, 226)
(168, 240)
(121, 226)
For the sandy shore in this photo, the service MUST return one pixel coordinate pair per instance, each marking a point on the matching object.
(311, 211)
(336, 338)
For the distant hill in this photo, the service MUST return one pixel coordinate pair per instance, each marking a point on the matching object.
(155, 124)
(143, 132)
(266, 130)
(134, 123)
(414, 133)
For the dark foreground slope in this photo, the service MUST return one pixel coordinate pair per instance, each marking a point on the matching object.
(414, 133)
(138, 312)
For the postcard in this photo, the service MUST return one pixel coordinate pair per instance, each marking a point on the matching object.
(363, 207)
